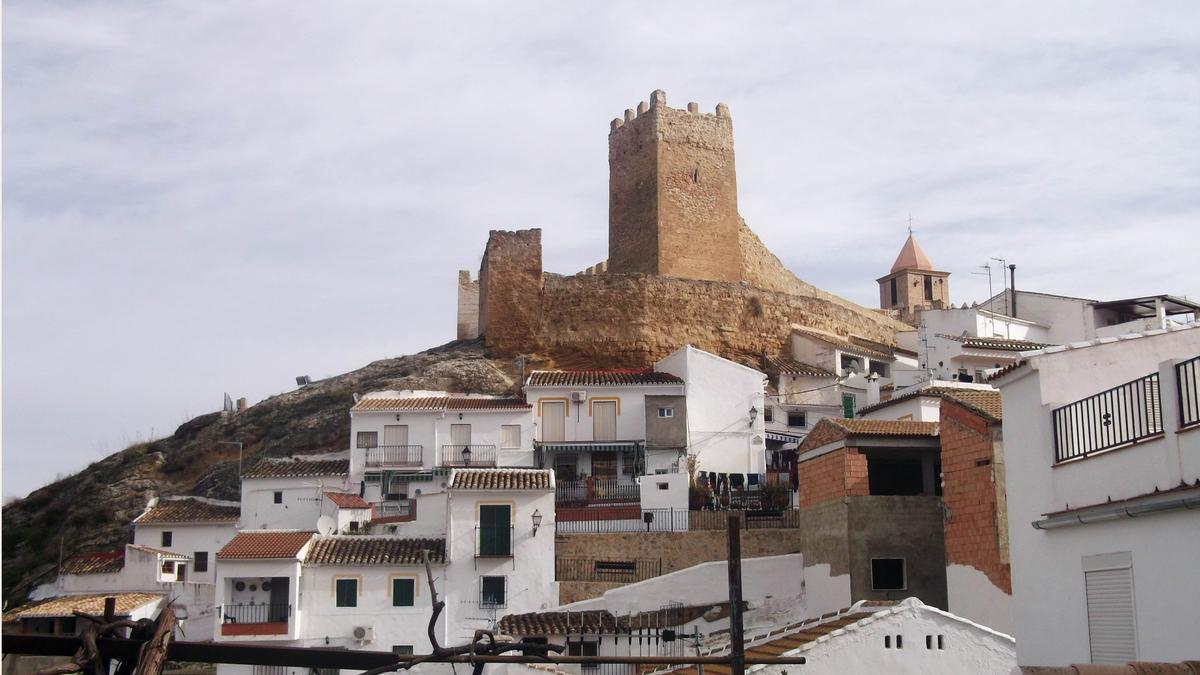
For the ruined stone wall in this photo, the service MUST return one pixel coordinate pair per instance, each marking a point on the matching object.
(510, 290)
(673, 193)
(627, 320)
(468, 307)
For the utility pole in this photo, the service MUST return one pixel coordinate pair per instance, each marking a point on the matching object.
(737, 651)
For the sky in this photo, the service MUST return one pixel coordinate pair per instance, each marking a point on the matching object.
(203, 198)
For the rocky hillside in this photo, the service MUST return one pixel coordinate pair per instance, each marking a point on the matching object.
(92, 510)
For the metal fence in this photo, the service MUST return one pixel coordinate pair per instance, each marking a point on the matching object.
(1112, 418)
(395, 455)
(264, 613)
(468, 455)
(619, 571)
(593, 490)
(1187, 378)
(680, 520)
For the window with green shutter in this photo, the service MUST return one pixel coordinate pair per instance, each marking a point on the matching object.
(495, 530)
(403, 591)
(347, 592)
(848, 406)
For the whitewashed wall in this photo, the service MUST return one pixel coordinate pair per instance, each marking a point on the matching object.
(631, 416)
(301, 507)
(232, 570)
(187, 539)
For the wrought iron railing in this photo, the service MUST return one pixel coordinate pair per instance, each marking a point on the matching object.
(1112, 418)
(1187, 380)
(610, 570)
(469, 455)
(264, 613)
(394, 455)
(593, 490)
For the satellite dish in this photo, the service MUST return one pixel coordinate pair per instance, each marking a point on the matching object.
(325, 525)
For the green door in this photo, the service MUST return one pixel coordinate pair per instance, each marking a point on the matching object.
(495, 532)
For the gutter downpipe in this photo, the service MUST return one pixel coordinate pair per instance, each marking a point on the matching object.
(1116, 513)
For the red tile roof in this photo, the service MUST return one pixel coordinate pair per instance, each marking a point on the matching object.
(92, 604)
(861, 427)
(437, 403)
(345, 500)
(597, 378)
(189, 510)
(843, 344)
(264, 544)
(371, 550)
(298, 468)
(985, 402)
(94, 563)
(500, 479)
(790, 366)
(999, 344)
(934, 392)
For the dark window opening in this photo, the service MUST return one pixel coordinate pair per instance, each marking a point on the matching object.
(887, 641)
(880, 368)
(768, 414)
(941, 645)
(887, 574)
(166, 538)
(928, 288)
(585, 649)
(491, 592)
(347, 592)
(402, 650)
(797, 418)
(278, 497)
(403, 592)
(895, 296)
(201, 561)
(895, 477)
(616, 566)
(899, 642)
(850, 364)
(928, 642)
(354, 526)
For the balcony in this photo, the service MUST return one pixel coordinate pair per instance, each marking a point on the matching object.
(395, 456)
(1114, 418)
(394, 511)
(249, 620)
(594, 490)
(469, 455)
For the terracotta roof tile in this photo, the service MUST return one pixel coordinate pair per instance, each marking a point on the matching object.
(861, 427)
(94, 563)
(437, 403)
(912, 257)
(596, 378)
(999, 344)
(369, 550)
(298, 468)
(843, 344)
(189, 510)
(264, 544)
(985, 402)
(1005, 370)
(346, 500)
(500, 479)
(159, 552)
(790, 366)
(926, 391)
(67, 605)
(603, 621)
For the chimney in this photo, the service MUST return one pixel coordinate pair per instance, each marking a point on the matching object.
(1012, 286)
(873, 389)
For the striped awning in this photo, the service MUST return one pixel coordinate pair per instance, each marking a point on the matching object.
(784, 438)
(590, 446)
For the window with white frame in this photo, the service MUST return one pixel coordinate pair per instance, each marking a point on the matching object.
(666, 411)
(510, 436)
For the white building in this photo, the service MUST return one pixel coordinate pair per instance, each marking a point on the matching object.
(970, 343)
(1070, 319)
(191, 526)
(883, 637)
(1103, 473)
(287, 493)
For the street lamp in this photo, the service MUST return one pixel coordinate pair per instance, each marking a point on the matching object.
(537, 521)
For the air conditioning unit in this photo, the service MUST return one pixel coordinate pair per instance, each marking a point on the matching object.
(579, 396)
(364, 634)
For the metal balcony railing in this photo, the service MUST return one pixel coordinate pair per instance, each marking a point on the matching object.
(395, 456)
(1187, 379)
(593, 490)
(400, 510)
(1112, 418)
(469, 455)
(264, 613)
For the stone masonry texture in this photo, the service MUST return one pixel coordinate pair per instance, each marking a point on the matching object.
(468, 307)
(510, 290)
(973, 492)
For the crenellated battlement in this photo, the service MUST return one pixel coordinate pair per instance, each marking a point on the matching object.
(658, 101)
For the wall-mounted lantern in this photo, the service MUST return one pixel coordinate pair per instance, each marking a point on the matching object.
(537, 521)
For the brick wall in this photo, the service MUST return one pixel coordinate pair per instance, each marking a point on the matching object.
(973, 490)
(837, 474)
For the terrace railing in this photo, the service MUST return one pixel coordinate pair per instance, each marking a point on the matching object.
(610, 570)
(593, 490)
(264, 613)
(1113, 418)
(395, 456)
(473, 455)
(1187, 379)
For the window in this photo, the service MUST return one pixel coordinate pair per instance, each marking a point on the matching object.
(347, 592)
(1112, 631)
(963, 375)
(880, 368)
(402, 650)
(666, 411)
(768, 414)
(928, 288)
(979, 375)
(585, 649)
(628, 463)
(554, 420)
(604, 420)
(278, 496)
(510, 436)
(797, 418)
(895, 296)
(395, 435)
(368, 439)
(887, 574)
(201, 561)
(495, 530)
(354, 526)
(168, 567)
(850, 364)
(403, 591)
(848, 406)
(166, 538)
(491, 592)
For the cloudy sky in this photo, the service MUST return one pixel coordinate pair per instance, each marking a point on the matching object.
(212, 197)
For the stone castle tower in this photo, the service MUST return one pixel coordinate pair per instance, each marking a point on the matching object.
(672, 193)
(913, 284)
